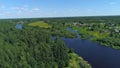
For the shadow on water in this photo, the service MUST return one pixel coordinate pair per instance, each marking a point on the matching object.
(97, 55)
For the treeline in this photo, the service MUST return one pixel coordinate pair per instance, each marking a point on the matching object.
(86, 19)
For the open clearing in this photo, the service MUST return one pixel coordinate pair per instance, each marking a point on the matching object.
(40, 24)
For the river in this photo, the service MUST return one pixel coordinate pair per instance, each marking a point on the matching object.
(97, 55)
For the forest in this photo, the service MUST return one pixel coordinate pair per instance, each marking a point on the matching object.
(34, 47)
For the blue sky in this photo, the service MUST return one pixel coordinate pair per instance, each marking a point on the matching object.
(57, 8)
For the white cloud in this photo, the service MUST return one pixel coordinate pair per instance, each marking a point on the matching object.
(36, 9)
(19, 8)
(24, 9)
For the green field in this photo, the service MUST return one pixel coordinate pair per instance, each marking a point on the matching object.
(77, 62)
(40, 24)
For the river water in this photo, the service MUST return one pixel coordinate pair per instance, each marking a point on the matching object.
(19, 26)
(97, 55)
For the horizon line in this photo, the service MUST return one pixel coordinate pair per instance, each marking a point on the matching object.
(60, 17)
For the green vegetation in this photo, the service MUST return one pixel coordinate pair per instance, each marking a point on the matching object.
(77, 62)
(104, 32)
(85, 33)
(106, 36)
(60, 29)
(33, 47)
(40, 24)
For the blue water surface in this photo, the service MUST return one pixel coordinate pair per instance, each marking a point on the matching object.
(19, 26)
(97, 55)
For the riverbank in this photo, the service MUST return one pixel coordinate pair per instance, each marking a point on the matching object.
(76, 61)
(97, 55)
(102, 38)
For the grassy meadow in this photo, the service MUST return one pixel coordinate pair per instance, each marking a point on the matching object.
(77, 62)
(40, 24)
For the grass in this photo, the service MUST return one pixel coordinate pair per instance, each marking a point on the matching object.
(86, 34)
(77, 62)
(40, 24)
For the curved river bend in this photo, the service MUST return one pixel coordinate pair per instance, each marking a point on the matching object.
(97, 55)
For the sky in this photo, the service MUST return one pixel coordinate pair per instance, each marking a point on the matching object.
(57, 8)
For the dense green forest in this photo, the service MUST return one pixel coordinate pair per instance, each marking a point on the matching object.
(34, 47)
